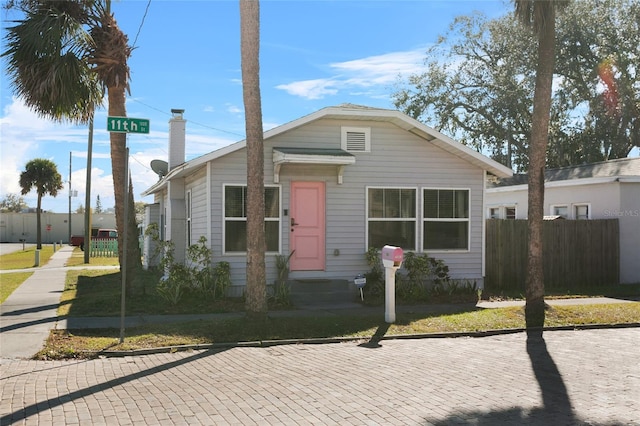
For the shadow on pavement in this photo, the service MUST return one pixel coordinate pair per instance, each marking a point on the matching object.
(30, 323)
(556, 406)
(555, 398)
(374, 342)
(24, 413)
(29, 310)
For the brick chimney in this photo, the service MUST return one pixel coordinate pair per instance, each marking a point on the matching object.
(176, 138)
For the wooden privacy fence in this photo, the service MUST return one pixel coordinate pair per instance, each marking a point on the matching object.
(103, 247)
(577, 253)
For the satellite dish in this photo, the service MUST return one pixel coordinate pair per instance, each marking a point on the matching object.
(161, 167)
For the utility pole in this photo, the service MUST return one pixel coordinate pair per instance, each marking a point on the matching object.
(70, 197)
(87, 198)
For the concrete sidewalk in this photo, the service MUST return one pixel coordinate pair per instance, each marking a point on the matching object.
(30, 311)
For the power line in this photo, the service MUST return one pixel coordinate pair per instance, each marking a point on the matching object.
(141, 24)
(190, 121)
(146, 11)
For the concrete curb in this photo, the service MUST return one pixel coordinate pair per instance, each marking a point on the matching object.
(368, 339)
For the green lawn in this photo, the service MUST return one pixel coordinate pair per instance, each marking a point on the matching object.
(77, 259)
(76, 343)
(9, 282)
(24, 259)
(97, 293)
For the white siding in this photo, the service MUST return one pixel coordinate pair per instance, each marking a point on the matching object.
(196, 183)
(608, 200)
(629, 220)
(231, 168)
(397, 158)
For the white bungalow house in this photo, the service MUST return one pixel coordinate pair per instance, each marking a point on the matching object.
(337, 181)
(604, 190)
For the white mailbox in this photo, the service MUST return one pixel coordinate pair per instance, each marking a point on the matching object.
(391, 259)
(392, 256)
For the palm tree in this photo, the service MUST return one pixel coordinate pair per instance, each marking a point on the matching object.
(540, 15)
(61, 57)
(42, 175)
(256, 300)
(109, 54)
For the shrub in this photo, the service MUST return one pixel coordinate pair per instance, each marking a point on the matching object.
(222, 279)
(374, 289)
(420, 279)
(196, 275)
(281, 294)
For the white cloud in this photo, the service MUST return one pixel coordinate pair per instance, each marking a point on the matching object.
(197, 145)
(233, 109)
(365, 73)
(383, 68)
(312, 89)
(24, 136)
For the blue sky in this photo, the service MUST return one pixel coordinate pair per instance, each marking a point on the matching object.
(187, 55)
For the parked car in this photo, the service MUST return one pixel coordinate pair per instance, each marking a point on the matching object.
(106, 234)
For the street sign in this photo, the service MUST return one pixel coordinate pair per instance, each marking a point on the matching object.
(127, 125)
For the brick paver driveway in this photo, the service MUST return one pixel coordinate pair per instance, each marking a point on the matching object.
(571, 377)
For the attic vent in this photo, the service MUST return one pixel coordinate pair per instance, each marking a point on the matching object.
(356, 139)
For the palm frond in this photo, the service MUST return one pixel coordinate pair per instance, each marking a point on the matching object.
(47, 61)
(536, 14)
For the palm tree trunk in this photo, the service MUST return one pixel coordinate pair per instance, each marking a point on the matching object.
(118, 158)
(535, 306)
(256, 300)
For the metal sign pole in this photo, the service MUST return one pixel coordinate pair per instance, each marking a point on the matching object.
(125, 125)
(123, 267)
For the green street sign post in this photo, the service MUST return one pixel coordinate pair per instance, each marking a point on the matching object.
(127, 125)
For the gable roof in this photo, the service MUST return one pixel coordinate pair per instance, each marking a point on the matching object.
(618, 168)
(351, 112)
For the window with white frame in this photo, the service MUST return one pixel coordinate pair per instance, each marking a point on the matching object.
(188, 215)
(163, 225)
(445, 219)
(494, 213)
(560, 210)
(391, 217)
(356, 139)
(510, 212)
(581, 211)
(235, 218)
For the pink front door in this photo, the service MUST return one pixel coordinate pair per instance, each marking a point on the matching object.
(306, 224)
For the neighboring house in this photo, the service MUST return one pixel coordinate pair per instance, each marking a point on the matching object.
(337, 181)
(604, 190)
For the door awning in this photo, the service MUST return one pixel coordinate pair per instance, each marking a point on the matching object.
(311, 156)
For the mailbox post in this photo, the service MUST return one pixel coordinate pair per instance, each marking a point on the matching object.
(391, 260)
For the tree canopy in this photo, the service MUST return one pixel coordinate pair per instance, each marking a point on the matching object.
(479, 85)
(42, 175)
(47, 59)
(13, 203)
